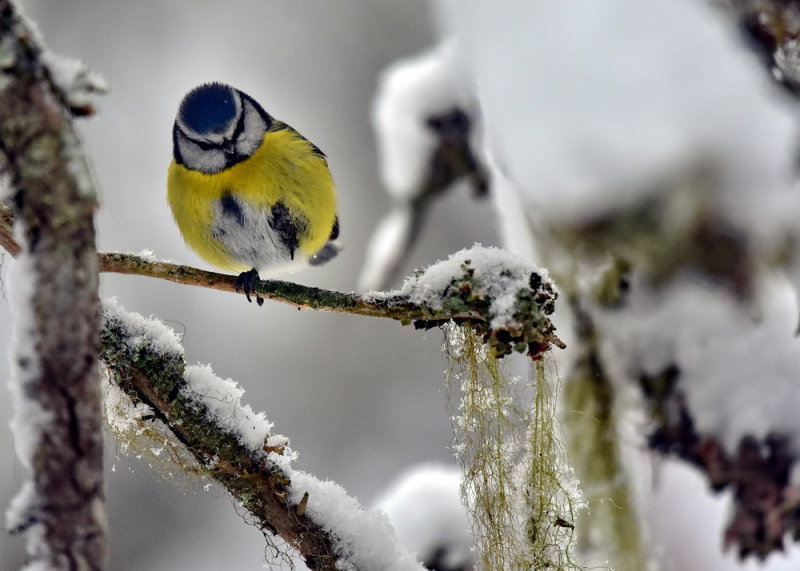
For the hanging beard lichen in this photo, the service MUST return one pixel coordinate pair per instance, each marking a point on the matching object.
(521, 495)
(138, 432)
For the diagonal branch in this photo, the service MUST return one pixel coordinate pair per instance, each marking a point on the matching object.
(145, 360)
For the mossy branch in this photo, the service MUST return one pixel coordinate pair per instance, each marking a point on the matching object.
(156, 378)
(464, 300)
(275, 290)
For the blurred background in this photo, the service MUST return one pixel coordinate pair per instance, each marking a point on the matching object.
(359, 398)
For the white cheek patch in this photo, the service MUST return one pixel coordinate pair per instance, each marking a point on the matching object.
(246, 234)
(195, 158)
(253, 131)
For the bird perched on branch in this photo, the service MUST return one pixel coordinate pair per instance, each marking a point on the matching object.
(247, 191)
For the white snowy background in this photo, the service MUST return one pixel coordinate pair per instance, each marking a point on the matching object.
(359, 398)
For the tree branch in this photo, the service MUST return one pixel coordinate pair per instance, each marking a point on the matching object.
(531, 332)
(276, 290)
(58, 422)
(258, 476)
(451, 160)
(157, 379)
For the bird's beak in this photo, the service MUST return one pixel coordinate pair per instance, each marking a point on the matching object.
(229, 147)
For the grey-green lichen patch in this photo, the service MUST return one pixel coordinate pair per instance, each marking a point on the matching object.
(507, 301)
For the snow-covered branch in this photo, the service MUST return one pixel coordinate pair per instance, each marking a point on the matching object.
(57, 423)
(427, 121)
(234, 446)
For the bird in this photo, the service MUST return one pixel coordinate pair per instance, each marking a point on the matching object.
(247, 191)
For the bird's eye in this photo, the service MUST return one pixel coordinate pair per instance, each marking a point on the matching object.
(205, 145)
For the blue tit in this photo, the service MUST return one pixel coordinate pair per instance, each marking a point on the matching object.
(247, 191)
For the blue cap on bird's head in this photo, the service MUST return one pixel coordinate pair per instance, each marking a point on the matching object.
(209, 108)
(217, 127)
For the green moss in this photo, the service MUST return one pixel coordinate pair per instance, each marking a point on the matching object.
(164, 373)
(205, 435)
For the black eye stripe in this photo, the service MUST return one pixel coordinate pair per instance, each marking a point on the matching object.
(205, 146)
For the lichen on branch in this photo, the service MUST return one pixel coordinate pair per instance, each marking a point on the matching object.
(518, 489)
(144, 359)
(209, 431)
(507, 301)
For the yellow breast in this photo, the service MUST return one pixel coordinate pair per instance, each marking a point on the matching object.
(285, 169)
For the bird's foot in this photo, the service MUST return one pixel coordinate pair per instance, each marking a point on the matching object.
(246, 282)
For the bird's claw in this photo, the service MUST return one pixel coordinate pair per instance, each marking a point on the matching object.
(246, 282)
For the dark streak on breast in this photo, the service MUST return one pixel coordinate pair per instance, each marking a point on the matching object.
(231, 208)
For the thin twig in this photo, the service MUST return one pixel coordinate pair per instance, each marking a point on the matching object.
(397, 308)
(276, 290)
(531, 331)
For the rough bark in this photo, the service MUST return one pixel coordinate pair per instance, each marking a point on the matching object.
(63, 509)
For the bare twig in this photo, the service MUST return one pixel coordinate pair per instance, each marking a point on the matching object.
(276, 290)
